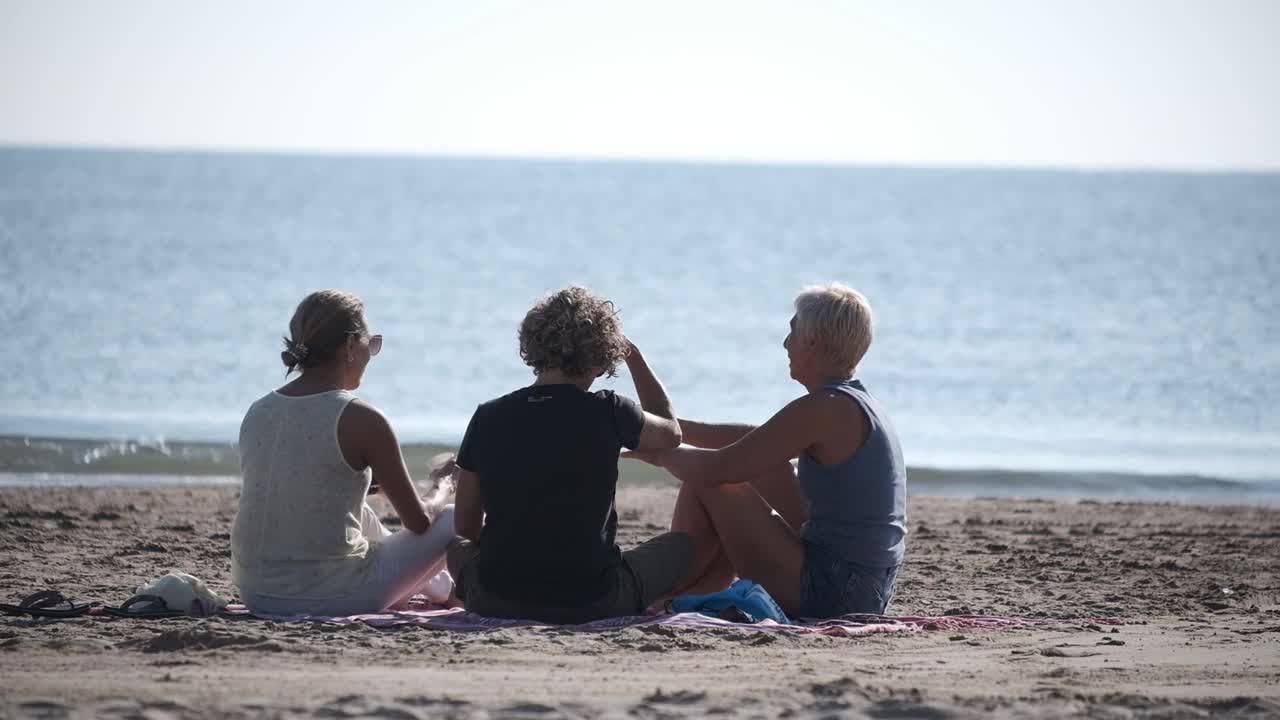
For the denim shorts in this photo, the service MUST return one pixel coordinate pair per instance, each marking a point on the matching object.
(831, 585)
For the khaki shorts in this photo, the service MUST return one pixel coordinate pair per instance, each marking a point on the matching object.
(646, 573)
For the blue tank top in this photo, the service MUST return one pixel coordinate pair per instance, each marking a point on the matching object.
(858, 507)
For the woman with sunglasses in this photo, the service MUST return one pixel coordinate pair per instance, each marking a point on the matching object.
(304, 540)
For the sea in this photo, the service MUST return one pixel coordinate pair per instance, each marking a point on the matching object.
(1038, 332)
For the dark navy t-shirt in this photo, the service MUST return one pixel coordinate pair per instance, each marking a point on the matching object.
(547, 460)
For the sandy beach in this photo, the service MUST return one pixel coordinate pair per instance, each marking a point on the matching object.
(1197, 587)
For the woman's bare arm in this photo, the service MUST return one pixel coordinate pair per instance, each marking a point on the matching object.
(365, 433)
(713, 435)
(787, 434)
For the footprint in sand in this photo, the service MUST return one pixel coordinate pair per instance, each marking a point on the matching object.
(201, 638)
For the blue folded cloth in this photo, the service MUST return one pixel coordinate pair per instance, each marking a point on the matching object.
(743, 601)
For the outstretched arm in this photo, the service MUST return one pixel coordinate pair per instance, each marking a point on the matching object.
(787, 434)
(713, 435)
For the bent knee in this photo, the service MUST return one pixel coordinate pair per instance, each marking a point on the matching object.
(444, 520)
(726, 492)
(460, 553)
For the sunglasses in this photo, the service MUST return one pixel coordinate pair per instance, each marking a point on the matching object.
(374, 342)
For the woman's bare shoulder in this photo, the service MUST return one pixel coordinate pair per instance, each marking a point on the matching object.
(839, 410)
(361, 418)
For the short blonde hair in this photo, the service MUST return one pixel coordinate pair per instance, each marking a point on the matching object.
(839, 319)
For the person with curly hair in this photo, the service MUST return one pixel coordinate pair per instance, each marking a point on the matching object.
(824, 541)
(538, 473)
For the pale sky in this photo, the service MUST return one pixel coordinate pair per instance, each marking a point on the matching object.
(1079, 83)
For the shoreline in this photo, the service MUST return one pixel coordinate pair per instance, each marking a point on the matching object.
(53, 481)
(47, 461)
(1195, 586)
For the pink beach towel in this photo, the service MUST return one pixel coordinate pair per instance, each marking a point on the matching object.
(438, 618)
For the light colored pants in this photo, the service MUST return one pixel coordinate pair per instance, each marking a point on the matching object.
(404, 563)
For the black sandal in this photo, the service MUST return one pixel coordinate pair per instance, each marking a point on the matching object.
(143, 606)
(50, 604)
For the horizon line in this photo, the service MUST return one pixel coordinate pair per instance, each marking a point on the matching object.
(709, 161)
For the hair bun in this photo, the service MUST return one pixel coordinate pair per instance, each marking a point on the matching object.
(295, 353)
(320, 326)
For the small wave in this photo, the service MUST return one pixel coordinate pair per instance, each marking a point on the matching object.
(116, 457)
(55, 461)
(33, 457)
(8, 479)
(1053, 483)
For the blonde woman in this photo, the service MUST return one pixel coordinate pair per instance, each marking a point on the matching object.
(304, 540)
(837, 538)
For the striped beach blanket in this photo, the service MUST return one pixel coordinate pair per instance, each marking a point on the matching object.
(846, 626)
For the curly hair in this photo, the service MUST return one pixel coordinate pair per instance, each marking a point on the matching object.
(574, 331)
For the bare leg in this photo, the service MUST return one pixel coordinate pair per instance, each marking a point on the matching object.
(717, 576)
(710, 569)
(770, 503)
(759, 543)
(780, 488)
(691, 518)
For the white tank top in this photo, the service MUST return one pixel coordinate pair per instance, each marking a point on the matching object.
(297, 533)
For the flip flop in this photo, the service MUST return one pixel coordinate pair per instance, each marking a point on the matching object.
(50, 604)
(143, 606)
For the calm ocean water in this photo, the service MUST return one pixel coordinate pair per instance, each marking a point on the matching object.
(1052, 324)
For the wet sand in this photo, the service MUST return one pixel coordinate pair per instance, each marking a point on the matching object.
(1198, 587)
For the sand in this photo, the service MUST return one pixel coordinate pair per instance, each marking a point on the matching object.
(1198, 587)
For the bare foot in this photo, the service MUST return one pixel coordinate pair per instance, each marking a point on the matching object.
(443, 474)
(442, 464)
